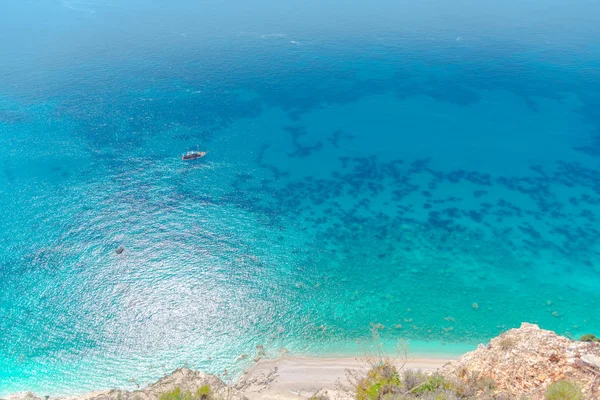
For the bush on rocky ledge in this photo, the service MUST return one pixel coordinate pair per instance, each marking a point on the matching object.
(590, 337)
(384, 382)
(203, 393)
(381, 380)
(564, 390)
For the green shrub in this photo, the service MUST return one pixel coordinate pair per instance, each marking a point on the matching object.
(564, 390)
(433, 384)
(380, 381)
(203, 393)
(590, 337)
(412, 379)
(176, 394)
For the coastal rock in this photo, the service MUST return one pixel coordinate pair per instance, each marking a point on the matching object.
(591, 360)
(525, 361)
(185, 379)
(22, 396)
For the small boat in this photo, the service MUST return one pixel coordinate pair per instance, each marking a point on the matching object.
(192, 155)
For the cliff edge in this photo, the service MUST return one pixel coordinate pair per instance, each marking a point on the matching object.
(524, 362)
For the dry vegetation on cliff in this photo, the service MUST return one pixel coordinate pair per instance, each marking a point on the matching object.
(524, 362)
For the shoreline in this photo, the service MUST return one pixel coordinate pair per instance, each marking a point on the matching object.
(293, 377)
(418, 352)
(287, 376)
(526, 361)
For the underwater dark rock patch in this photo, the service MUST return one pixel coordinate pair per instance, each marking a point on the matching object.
(301, 150)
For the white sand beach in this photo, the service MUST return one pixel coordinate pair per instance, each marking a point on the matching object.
(301, 377)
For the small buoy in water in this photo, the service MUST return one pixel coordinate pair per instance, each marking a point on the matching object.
(119, 249)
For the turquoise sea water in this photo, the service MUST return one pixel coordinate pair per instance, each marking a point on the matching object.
(430, 167)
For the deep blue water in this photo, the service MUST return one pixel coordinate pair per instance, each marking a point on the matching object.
(433, 167)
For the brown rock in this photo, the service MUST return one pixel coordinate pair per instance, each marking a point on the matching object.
(525, 361)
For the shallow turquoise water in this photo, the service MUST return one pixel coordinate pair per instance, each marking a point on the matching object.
(430, 168)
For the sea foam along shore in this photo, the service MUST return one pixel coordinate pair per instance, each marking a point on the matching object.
(520, 362)
(284, 378)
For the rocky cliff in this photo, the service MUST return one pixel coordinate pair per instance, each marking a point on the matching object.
(523, 362)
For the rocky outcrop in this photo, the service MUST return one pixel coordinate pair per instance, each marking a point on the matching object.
(525, 361)
(185, 379)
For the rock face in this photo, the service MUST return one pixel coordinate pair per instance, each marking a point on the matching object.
(525, 361)
(187, 380)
